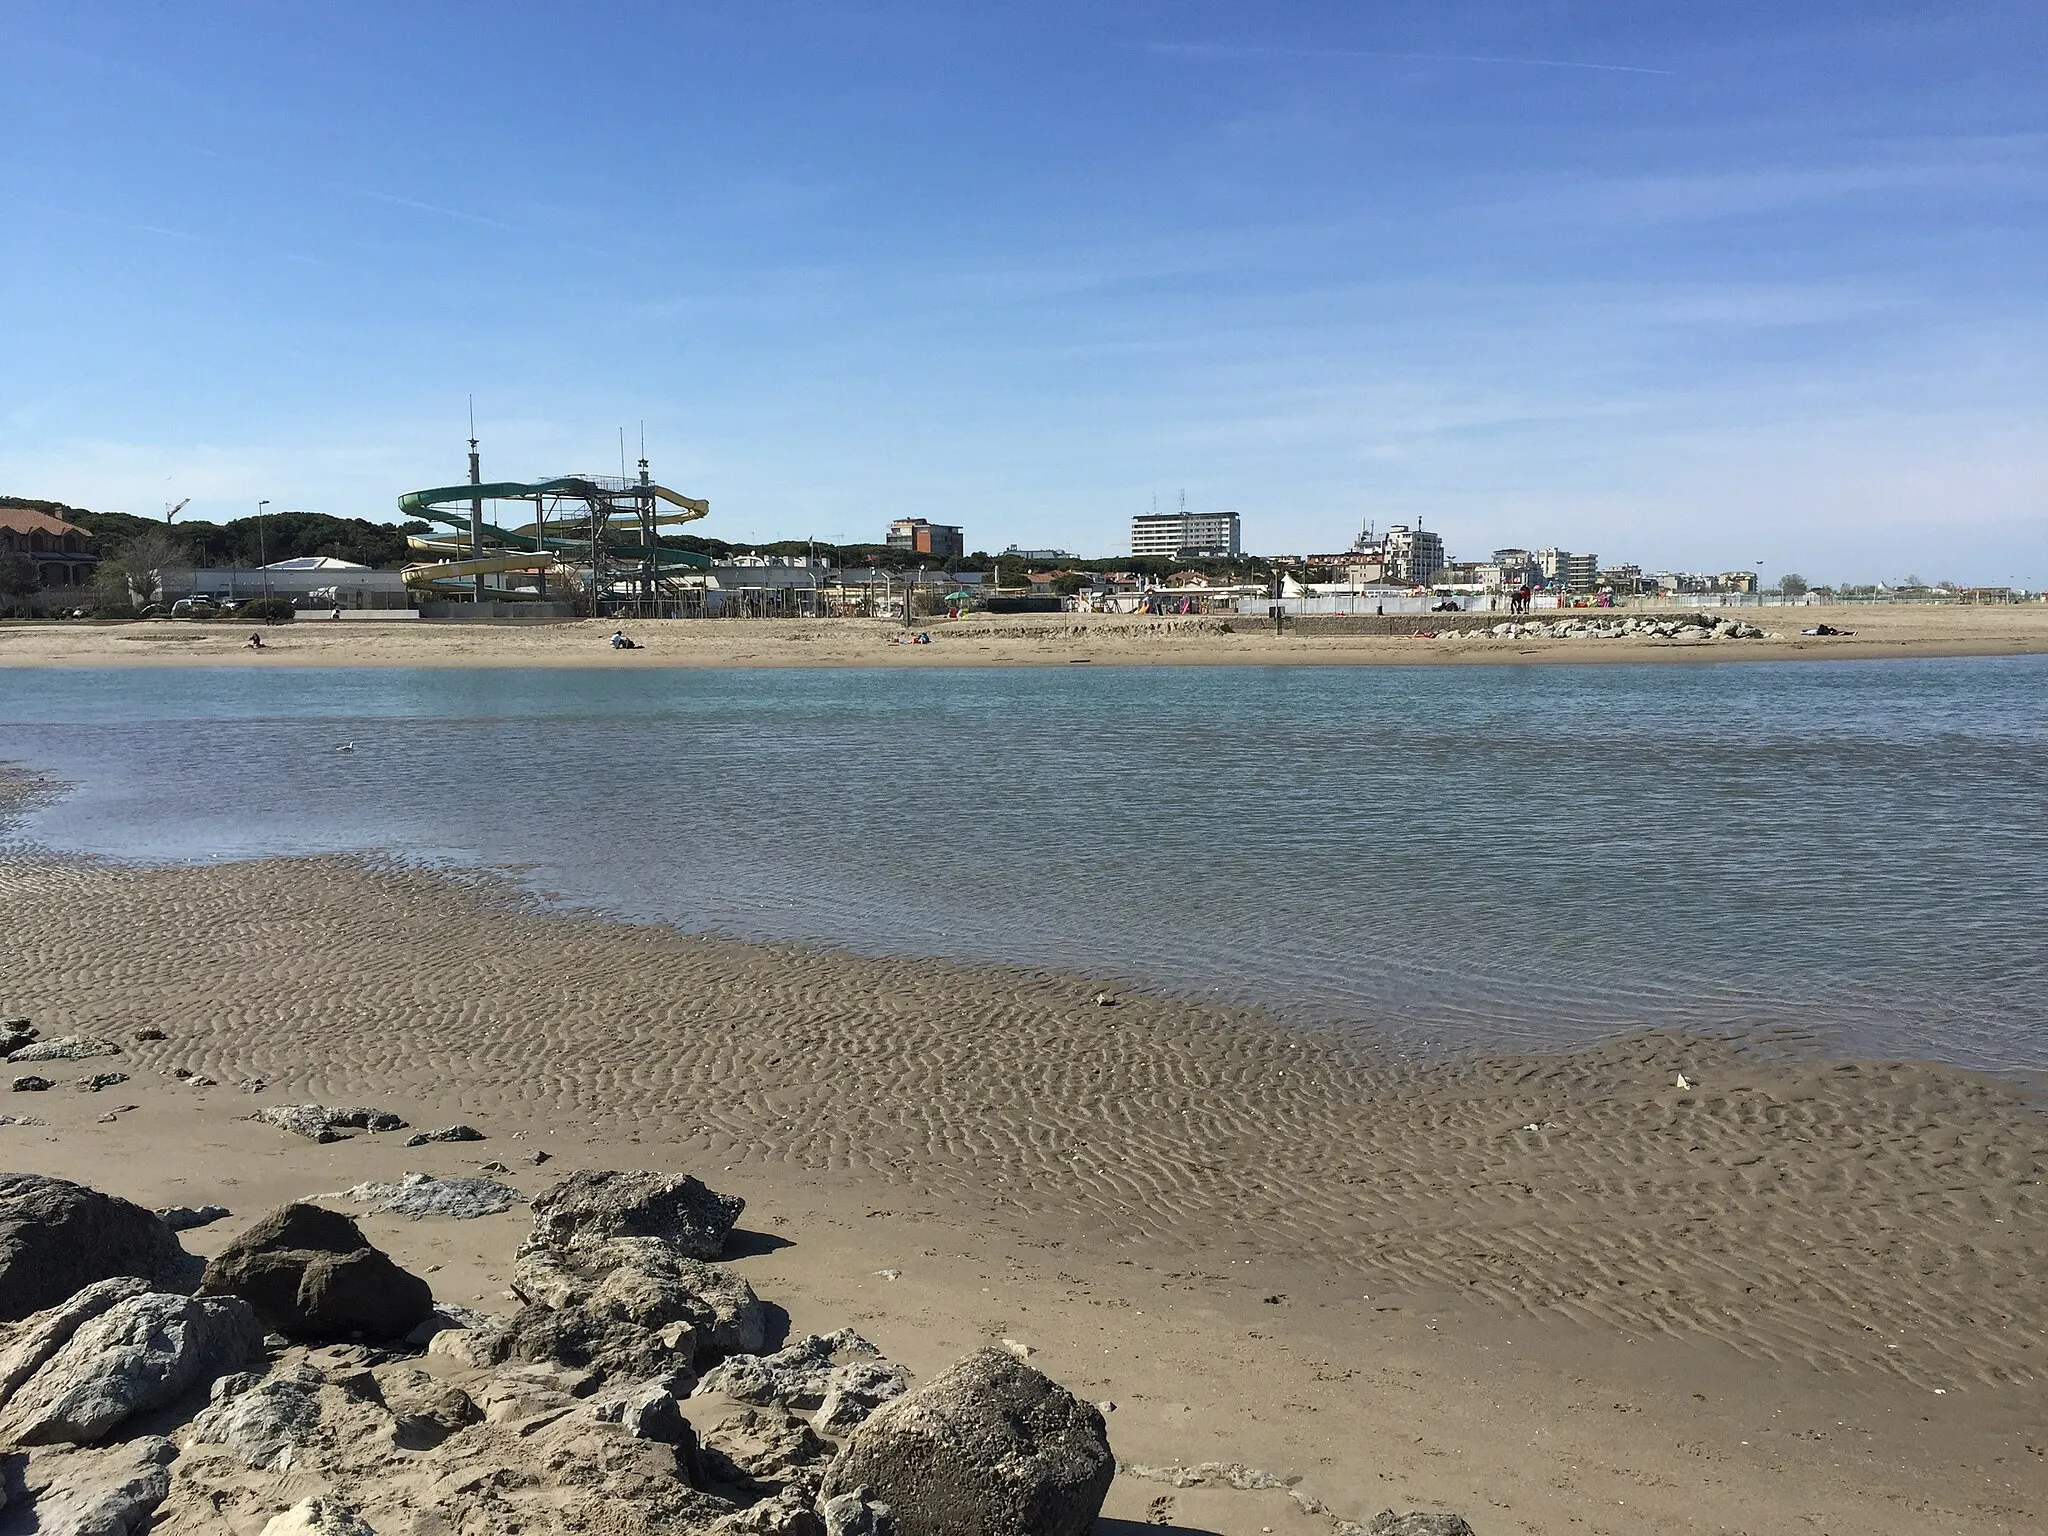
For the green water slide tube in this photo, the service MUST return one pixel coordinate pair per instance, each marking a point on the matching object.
(441, 505)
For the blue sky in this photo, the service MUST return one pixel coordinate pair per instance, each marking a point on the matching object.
(1693, 285)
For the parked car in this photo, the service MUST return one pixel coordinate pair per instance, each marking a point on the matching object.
(195, 608)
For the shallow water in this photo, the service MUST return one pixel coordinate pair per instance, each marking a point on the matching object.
(1446, 856)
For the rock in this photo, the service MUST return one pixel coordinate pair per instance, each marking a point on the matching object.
(798, 1376)
(447, 1133)
(478, 1347)
(760, 1448)
(307, 1120)
(104, 1493)
(1387, 1523)
(101, 1080)
(537, 1157)
(591, 1207)
(656, 1415)
(142, 1352)
(265, 1423)
(311, 1274)
(788, 1513)
(421, 1195)
(318, 1517)
(57, 1237)
(150, 1036)
(424, 1409)
(183, 1218)
(365, 1119)
(316, 1122)
(42, 1335)
(30, 1083)
(70, 1048)
(851, 1514)
(642, 1280)
(601, 1346)
(855, 1390)
(990, 1447)
(445, 1316)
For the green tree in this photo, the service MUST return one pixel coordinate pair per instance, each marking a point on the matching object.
(18, 576)
(133, 577)
(1792, 584)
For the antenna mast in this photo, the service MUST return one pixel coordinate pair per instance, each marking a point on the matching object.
(476, 506)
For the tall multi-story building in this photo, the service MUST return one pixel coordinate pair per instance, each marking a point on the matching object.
(1186, 534)
(941, 541)
(1567, 571)
(1736, 581)
(1414, 555)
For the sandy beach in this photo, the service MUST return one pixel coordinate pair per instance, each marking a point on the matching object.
(981, 641)
(1553, 1293)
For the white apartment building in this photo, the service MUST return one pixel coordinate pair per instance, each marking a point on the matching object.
(1413, 554)
(1575, 573)
(1186, 533)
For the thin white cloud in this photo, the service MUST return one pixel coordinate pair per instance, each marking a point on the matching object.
(1246, 51)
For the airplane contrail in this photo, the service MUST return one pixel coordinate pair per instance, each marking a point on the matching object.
(1230, 50)
(407, 202)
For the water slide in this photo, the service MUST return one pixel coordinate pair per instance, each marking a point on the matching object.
(529, 548)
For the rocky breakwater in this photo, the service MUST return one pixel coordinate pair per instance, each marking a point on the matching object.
(1597, 624)
(313, 1387)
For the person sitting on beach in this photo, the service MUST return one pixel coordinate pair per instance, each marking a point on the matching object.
(255, 643)
(621, 643)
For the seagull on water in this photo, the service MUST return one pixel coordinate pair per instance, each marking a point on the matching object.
(346, 746)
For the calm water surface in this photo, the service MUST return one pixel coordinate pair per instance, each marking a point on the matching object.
(1447, 857)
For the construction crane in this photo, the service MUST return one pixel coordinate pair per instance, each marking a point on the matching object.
(171, 512)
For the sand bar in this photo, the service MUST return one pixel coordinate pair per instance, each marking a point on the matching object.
(979, 641)
(1553, 1292)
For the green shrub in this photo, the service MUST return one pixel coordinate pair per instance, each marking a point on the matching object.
(268, 610)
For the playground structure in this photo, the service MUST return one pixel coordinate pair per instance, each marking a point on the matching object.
(595, 533)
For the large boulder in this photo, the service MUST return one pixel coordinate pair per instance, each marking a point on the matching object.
(1417, 1523)
(57, 1237)
(140, 1353)
(592, 1207)
(990, 1447)
(641, 1280)
(42, 1335)
(111, 1492)
(311, 1274)
(841, 1375)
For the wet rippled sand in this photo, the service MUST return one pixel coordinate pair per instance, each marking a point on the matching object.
(1796, 1209)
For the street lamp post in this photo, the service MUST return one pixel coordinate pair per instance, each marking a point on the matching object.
(262, 547)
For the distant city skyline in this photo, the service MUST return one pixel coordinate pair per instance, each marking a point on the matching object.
(1749, 285)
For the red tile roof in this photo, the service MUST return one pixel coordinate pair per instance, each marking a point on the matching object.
(28, 520)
